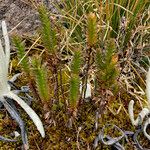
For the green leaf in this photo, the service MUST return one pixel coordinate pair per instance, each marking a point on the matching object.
(47, 31)
(76, 62)
(74, 91)
(91, 29)
(21, 53)
(41, 78)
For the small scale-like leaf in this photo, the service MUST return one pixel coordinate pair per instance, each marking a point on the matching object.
(41, 78)
(91, 29)
(74, 90)
(47, 31)
(21, 53)
(76, 62)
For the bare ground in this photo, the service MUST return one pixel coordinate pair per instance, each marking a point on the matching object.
(21, 15)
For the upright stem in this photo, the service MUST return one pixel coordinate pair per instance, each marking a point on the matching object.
(56, 85)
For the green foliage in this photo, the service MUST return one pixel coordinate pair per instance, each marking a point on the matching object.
(99, 60)
(110, 50)
(91, 29)
(76, 62)
(41, 78)
(75, 80)
(74, 90)
(106, 66)
(47, 31)
(21, 54)
(89, 24)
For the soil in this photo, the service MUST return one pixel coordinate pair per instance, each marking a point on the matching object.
(21, 15)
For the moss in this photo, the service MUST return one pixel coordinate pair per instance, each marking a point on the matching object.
(62, 130)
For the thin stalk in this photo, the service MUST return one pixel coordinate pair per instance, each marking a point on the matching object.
(61, 86)
(56, 85)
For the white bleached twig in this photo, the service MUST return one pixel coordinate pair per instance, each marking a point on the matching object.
(144, 112)
(141, 116)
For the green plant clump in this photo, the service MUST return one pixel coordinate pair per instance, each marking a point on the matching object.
(88, 46)
(21, 54)
(41, 79)
(75, 80)
(47, 32)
